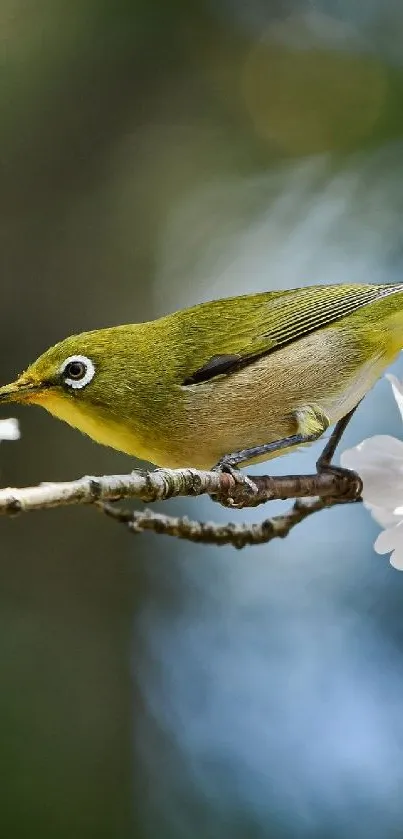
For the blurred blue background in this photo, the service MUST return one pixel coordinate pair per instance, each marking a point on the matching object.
(153, 155)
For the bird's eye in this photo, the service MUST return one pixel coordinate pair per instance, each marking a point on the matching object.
(77, 371)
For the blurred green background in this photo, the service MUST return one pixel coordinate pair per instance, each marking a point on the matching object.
(156, 154)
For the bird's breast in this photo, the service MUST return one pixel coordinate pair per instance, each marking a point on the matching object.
(105, 430)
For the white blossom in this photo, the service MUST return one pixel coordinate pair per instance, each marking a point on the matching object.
(379, 462)
(9, 429)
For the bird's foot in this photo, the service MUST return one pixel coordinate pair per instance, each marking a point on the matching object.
(234, 499)
(352, 480)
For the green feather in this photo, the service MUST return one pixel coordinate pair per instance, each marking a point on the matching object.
(234, 332)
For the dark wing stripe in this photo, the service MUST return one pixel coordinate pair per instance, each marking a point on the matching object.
(326, 311)
(216, 366)
(206, 373)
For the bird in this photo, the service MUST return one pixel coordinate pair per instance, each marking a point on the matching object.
(224, 383)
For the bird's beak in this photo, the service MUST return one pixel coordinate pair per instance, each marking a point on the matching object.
(19, 391)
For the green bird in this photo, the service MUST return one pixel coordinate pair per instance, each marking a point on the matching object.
(227, 382)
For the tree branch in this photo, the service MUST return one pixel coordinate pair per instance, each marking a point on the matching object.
(230, 490)
(315, 492)
(209, 533)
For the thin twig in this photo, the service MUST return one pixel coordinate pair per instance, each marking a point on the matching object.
(209, 533)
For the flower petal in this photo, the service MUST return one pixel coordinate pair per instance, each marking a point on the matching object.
(376, 448)
(9, 429)
(383, 516)
(397, 388)
(385, 543)
(391, 541)
(396, 560)
(379, 462)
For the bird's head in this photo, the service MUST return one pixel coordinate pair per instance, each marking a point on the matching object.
(64, 371)
(92, 381)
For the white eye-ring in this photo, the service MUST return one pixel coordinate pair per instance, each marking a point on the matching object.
(77, 371)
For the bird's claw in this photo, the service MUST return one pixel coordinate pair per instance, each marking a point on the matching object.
(354, 482)
(241, 481)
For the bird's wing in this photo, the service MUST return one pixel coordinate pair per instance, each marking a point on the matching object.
(237, 331)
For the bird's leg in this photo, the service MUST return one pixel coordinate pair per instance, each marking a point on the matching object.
(324, 462)
(312, 421)
(230, 462)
